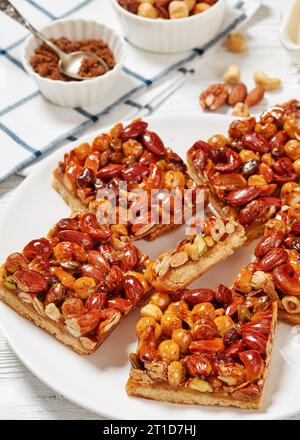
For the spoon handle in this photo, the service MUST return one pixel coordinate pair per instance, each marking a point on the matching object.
(8, 8)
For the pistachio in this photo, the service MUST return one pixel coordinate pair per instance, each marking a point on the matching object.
(201, 245)
(9, 283)
(200, 385)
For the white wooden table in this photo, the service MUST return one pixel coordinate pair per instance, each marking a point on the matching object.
(23, 396)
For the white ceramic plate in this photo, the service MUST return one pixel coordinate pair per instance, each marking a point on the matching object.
(97, 382)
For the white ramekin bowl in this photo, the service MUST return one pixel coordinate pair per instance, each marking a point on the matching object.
(171, 36)
(77, 93)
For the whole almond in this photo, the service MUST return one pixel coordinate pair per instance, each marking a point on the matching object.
(255, 96)
(238, 94)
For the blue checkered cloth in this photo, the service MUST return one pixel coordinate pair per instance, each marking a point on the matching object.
(30, 126)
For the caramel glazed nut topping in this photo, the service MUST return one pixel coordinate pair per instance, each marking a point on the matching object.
(213, 342)
(83, 277)
(277, 263)
(246, 171)
(131, 154)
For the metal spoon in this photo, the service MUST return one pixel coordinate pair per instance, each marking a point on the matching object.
(69, 63)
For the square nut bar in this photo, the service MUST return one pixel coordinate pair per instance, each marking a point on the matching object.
(133, 155)
(196, 254)
(277, 265)
(204, 347)
(246, 170)
(77, 283)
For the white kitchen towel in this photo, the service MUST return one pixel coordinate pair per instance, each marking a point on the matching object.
(30, 126)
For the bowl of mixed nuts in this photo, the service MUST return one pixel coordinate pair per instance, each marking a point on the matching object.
(169, 26)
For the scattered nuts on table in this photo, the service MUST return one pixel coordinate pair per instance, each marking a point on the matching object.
(265, 81)
(217, 95)
(238, 94)
(232, 74)
(236, 43)
(214, 97)
(255, 96)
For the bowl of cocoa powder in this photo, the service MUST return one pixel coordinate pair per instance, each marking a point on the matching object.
(72, 35)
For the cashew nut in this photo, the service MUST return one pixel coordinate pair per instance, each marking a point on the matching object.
(265, 81)
(232, 74)
(291, 304)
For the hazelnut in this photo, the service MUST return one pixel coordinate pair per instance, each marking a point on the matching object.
(190, 4)
(147, 10)
(200, 7)
(152, 311)
(236, 43)
(178, 9)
